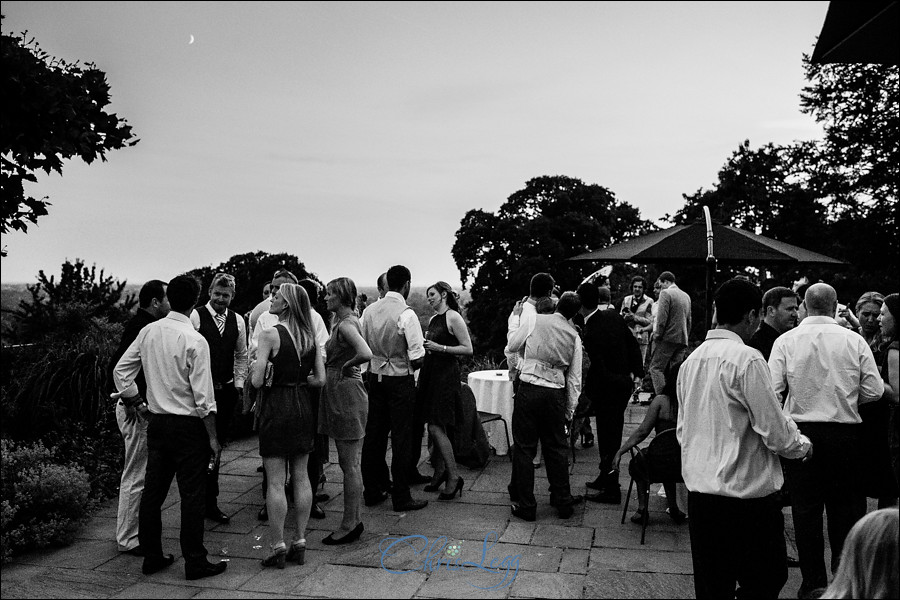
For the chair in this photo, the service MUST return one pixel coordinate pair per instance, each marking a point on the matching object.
(653, 476)
(486, 417)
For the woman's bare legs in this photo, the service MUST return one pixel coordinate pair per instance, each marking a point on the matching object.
(442, 443)
(349, 456)
(302, 494)
(276, 502)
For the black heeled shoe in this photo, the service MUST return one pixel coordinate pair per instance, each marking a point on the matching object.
(297, 552)
(452, 495)
(277, 558)
(436, 485)
(352, 536)
(587, 441)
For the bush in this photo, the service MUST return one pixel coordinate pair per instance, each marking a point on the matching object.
(44, 500)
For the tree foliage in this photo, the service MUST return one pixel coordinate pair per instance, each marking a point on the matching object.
(52, 110)
(251, 270)
(553, 218)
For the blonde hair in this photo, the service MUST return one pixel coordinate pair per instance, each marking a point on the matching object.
(868, 567)
(298, 319)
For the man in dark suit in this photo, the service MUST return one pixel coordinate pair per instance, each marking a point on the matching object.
(152, 305)
(615, 360)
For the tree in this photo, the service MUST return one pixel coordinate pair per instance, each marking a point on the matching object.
(251, 270)
(553, 218)
(52, 110)
(63, 310)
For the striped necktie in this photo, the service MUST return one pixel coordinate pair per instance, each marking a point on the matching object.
(220, 323)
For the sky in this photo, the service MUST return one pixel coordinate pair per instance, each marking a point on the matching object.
(356, 136)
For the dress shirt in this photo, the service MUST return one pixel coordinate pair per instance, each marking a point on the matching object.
(827, 369)
(176, 364)
(513, 323)
(408, 326)
(536, 370)
(730, 424)
(267, 320)
(240, 347)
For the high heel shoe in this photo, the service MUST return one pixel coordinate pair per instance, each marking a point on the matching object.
(436, 485)
(277, 558)
(452, 495)
(352, 536)
(587, 441)
(297, 553)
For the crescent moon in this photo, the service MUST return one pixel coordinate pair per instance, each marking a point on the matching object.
(192, 41)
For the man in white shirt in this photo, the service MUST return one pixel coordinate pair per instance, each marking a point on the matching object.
(731, 429)
(393, 332)
(828, 371)
(550, 384)
(226, 335)
(523, 315)
(181, 435)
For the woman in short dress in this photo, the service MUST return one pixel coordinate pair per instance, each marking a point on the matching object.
(439, 383)
(284, 414)
(344, 406)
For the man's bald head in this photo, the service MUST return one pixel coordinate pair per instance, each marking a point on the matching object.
(821, 300)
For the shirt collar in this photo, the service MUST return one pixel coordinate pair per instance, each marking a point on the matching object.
(177, 316)
(723, 334)
(818, 320)
(212, 311)
(593, 312)
(396, 296)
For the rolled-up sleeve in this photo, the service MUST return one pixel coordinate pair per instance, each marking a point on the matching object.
(201, 379)
(573, 380)
(127, 368)
(779, 433)
(240, 353)
(412, 330)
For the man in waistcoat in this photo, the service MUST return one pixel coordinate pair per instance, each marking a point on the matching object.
(226, 335)
(392, 331)
(550, 383)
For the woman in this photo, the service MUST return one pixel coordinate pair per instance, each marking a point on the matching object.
(868, 567)
(889, 372)
(868, 308)
(284, 414)
(439, 384)
(662, 415)
(344, 406)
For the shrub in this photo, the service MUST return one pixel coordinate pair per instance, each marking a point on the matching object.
(44, 500)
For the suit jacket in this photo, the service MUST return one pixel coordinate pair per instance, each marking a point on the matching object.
(673, 316)
(615, 354)
(140, 320)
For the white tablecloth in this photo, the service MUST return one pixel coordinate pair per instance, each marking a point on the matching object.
(494, 394)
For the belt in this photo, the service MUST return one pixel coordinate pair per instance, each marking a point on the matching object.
(379, 376)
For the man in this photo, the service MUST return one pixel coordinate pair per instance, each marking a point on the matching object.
(673, 325)
(779, 315)
(637, 309)
(226, 335)
(181, 435)
(550, 383)
(730, 427)
(831, 371)
(523, 314)
(267, 320)
(615, 360)
(392, 331)
(153, 305)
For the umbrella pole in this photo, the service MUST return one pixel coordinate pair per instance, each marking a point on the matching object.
(710, 268)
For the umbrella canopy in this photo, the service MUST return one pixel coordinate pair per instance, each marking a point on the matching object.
(687, 244)
(859, 32)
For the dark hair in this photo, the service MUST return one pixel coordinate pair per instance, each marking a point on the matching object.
(183, 292)
(636, 279)
(735, 299)
(603, 294)
(568, 304)
(541, 285)
(775, 295)
(893, 304)
(589, 294)
(667, 276)
(452, 299)
(397, 276)
(153, 289)
(311, 288)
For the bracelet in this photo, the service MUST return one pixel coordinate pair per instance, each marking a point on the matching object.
(445, 348)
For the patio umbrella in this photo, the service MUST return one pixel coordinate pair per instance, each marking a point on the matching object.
(707, 243)
(859, 32)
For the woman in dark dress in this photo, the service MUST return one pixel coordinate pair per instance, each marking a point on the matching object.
(439, 383)
(662, 415)
(284, 414)
(344, 407)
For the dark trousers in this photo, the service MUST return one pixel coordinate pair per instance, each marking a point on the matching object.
(539, 413)
(830, 481)
(737, 541)
(415, 437)
(391, 405)
(176, 447)
(226, 401)
(609, 404)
